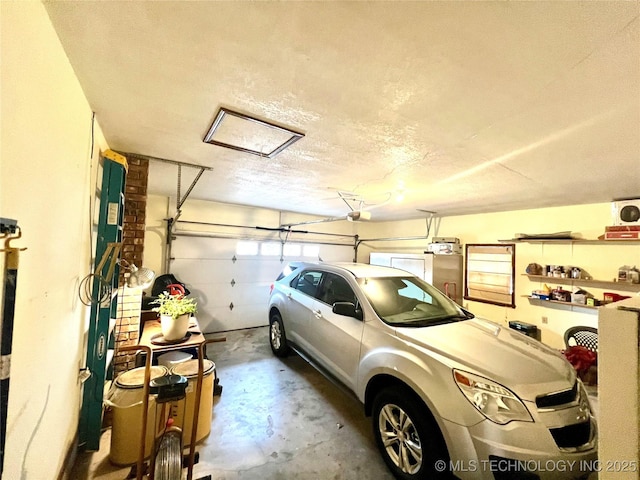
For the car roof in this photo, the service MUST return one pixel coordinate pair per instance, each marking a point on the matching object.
(358, 270)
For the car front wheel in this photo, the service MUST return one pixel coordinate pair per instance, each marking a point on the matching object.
(409, 440)
(277, 337)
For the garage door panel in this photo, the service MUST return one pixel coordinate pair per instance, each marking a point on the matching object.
(206, 270)
(207, 266)
(221, 319)
(198, 247)
(221, 295)
(336, 253)
(193, 271)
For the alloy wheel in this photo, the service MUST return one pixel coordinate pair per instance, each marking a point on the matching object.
(400, 438)
(276, 335)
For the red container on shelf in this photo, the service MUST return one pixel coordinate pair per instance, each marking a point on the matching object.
(614, 297)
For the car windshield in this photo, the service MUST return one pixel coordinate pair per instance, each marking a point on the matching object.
(410, 302)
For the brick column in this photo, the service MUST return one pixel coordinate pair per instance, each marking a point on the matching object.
(135, 206)
(127, 326)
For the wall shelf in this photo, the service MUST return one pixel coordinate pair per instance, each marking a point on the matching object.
(553, 303)
(579, 241)
(605, 284)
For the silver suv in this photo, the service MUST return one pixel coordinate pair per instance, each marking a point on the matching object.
(449, 394)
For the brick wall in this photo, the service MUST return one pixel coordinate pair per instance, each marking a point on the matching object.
(127, 326)
(135, 206)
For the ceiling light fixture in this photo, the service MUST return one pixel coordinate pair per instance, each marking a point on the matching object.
(248, 134)
(358, 215)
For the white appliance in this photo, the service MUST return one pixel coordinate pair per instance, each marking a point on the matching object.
(619, 386)
(626, 212)
(442, 271)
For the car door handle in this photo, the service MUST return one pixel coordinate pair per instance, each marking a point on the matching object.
(317, 313)
(289, 295)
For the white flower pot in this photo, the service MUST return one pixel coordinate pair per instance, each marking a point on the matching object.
(174, 329)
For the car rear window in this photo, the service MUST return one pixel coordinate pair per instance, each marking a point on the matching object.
(290, 268)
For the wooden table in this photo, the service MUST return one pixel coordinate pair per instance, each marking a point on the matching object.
(197, 342)
(153, 328)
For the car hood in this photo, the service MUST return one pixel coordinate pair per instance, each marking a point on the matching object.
(520, 363)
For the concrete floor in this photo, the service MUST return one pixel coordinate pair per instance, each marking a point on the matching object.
(276, 419)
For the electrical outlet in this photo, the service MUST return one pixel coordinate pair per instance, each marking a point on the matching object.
(545, 320)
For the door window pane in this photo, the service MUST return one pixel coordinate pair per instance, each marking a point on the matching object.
(490, 274)
(307, 282)
(334, 289)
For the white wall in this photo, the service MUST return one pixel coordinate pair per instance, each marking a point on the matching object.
(47, 183)
(155, 233)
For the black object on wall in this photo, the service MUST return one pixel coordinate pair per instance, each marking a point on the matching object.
(10, 231)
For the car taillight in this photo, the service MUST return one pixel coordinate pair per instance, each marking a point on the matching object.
(271, 288)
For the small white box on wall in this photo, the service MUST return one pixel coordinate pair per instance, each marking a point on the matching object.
(626, 212)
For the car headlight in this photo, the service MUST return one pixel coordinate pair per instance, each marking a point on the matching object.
(497, 403)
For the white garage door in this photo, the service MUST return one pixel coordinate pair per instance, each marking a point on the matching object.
(231, 278)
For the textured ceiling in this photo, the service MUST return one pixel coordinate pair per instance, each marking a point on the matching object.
(461, 107)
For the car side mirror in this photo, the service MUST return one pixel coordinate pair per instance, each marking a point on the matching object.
(347, 309)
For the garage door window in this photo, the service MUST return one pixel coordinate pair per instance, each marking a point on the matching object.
(273, 249)
(311, 251)
(291, 250)
(247, 248)
(270, 249)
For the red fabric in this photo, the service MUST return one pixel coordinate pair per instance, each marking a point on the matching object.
(580, 357)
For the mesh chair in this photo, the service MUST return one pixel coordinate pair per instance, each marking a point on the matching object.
(583, 336)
